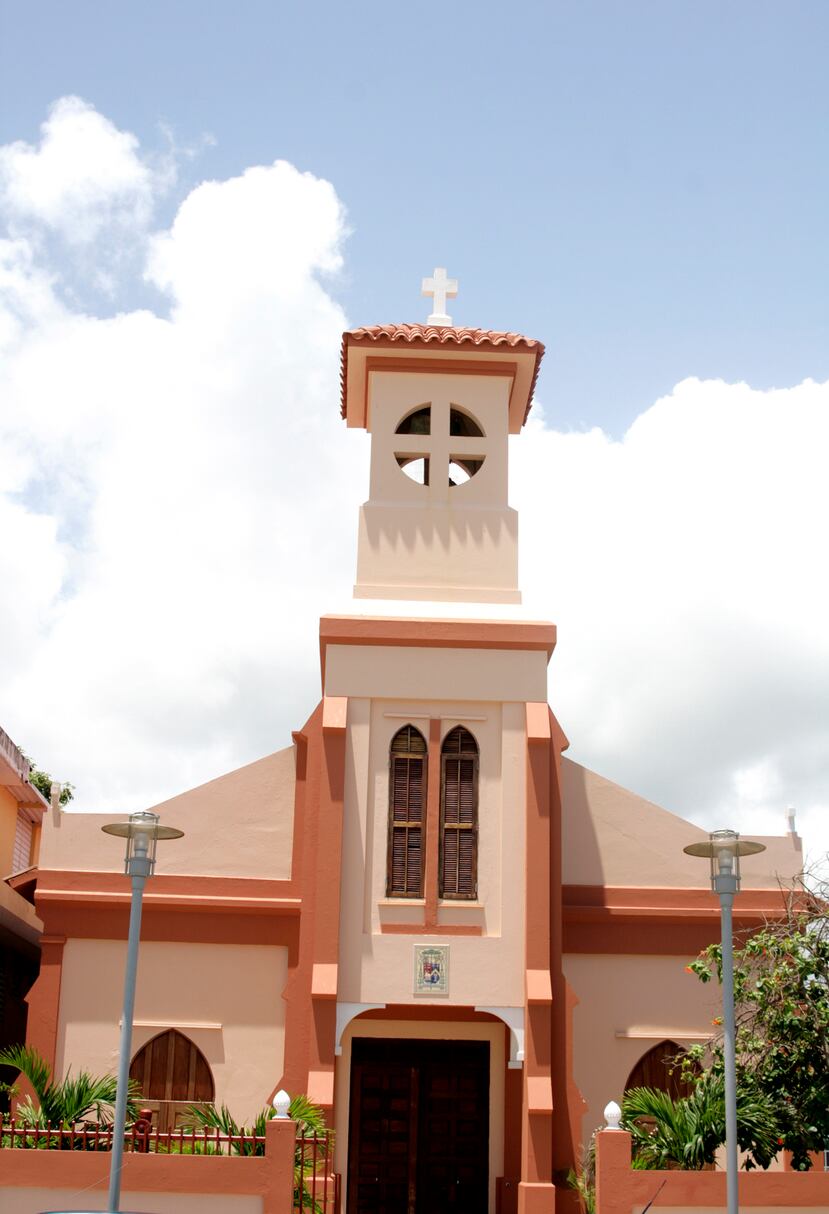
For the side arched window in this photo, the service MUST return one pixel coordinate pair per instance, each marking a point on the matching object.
(407, 813)
(172, 1067)
(658, 1069)
(459, 815)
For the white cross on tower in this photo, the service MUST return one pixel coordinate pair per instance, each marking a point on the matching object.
(440, 288)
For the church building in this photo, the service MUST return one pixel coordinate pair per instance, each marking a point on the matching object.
(421, 913)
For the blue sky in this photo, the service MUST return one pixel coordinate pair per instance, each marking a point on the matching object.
(641, 185)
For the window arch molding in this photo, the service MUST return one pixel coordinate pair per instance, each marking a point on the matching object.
(459, 772)
(408, 760)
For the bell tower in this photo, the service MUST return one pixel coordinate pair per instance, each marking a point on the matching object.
(439, 403)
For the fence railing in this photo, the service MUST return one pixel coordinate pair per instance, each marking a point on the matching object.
(310, 1184)
(139, 1138)
(316, 1184)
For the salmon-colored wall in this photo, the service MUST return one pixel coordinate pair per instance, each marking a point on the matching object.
(32, 1201)
(442, 1030)
(486, 969)
(226, 998)
(394, 672)
(611, 836)
(219, 819)
(626, 1005)
(8, 827)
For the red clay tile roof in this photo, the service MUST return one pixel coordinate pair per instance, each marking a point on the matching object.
(424, 335)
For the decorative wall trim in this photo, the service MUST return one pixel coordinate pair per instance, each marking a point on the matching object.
(346, 1012)
(513, 1018)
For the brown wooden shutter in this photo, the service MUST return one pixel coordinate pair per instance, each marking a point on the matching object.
(172, 1067)
(658, 1069)
(407, 800)
(459, 815)
(22, 853)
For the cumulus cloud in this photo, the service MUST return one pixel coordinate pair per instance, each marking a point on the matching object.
(181, 478)
(685, 566)
(179, 503)
(83, 174)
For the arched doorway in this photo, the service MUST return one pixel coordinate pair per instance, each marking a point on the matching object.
(657, 1069)
(172, 1073)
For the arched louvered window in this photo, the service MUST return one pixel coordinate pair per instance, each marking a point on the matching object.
(658, 1069)
(172, 1067)
(407, 813)
(459, 815)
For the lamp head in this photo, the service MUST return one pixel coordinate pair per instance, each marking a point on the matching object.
(723, 849)
(142, 832)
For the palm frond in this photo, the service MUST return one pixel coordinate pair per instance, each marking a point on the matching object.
(307, 1115)
(31, 1064)
(76, 1098)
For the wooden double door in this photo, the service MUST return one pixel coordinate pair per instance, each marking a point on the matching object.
(419, 1127)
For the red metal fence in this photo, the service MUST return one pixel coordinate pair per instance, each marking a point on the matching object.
(138, 1137)
(316, 1184)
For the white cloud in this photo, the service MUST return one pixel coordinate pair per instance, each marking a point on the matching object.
(182, 498)
(685, 568)
(177, 477)
(83, 175)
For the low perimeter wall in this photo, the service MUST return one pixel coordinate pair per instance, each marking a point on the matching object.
(32, 1181)
(621, 1190)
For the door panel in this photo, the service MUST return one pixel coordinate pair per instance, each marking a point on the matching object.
(381, 1138)
(453, 1160)
(419, 1131)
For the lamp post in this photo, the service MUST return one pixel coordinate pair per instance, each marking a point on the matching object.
(724, 849)
(142, 832)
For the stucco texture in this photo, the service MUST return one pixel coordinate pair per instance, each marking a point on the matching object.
(611, 836)
(226, 998)
(33, 1201)
(485, 970)
(627, 1005)
(219, 820)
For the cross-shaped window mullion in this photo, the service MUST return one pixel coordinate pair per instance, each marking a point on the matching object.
(413, 444)
(459, 445)
(439, 448)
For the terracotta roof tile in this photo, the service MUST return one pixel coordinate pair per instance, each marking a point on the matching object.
(423, 335)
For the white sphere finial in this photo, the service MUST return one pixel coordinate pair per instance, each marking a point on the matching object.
(282, 1103)
(613, 1116)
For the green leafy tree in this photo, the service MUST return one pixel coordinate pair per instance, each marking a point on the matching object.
(781, 997)
(65, 1102)
(42, 781)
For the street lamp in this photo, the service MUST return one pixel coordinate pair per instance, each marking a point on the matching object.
(142, 833)
(724, 849)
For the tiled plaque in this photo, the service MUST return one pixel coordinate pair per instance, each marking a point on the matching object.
(431, 969)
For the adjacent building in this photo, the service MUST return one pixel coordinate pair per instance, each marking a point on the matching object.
(22, 809)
